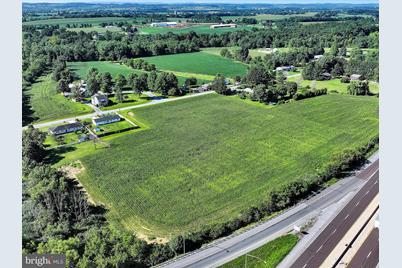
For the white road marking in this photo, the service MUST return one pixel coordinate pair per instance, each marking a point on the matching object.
(319, 248)
(347, 216)
(357, 203)
(368, 255)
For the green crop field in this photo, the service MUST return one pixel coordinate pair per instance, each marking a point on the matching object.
(81, 69)
(202, 160)
(48, 104)
(271, 253)
(200, 29)
(198, 63)
(333, 84)
(65, 21)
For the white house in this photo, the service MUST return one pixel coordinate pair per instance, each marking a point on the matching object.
(99, 100)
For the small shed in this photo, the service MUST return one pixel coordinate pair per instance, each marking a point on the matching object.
(99, 100)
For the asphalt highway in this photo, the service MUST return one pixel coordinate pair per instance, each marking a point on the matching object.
(368, 254)
(327, 240)
(229, 248)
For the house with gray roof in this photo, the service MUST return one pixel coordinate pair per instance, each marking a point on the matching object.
(106, 119)
(67, 128)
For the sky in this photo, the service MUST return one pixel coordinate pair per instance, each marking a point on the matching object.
(208, 1)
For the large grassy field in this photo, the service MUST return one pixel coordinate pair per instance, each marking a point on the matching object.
(198, 63)
(271, 253)
(81, 69)
(333, 84)
(202, 160)
(200, 29)
(48, 104)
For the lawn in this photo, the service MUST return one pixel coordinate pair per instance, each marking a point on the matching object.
(198, 63)
(200, 29)
(271, 253)
(333, 84)
(48, 104)
(80, 68)
(203, 160)
(107, 129)
(129, 100)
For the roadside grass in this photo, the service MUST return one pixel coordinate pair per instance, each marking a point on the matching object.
(333, 84)
(198, 63)
(48, 104)
(271, 253)
(202, 160)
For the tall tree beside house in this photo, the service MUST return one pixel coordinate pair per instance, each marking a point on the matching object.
(106, 83)
(120, 81)
(93, 81)
(118, 93)
(242, 54)
(65, 78)
(219, 85)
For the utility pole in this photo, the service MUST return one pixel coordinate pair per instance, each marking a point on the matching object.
(184, 244)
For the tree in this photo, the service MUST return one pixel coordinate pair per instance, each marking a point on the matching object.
(33, 150)
(152, 77)
(242, 54)
(291, 88)
(106, 82)
(57, 69)
(192, 81)
(258, 74)
(118, 94)
(120, 81)
(219, 85)
(358, 88)
(165, 82)
(93, 83)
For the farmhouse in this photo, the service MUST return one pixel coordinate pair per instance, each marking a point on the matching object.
(99, 100)
(164, 24)
(107, 119)
(285, 68)
(67, 128)
(355, 77)
(229, 25)
(202, 88)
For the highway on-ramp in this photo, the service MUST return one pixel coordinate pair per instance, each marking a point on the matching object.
(226, 249)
